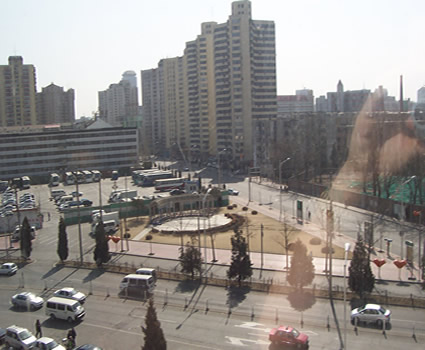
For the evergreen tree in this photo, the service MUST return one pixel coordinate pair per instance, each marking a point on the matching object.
(190, 259)
(25, 233)
(62, 241)
(301, 272)
(154, 336)
(361, 279)
(101, 250)
(240, 266)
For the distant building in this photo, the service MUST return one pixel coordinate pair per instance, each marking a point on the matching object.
(120, 101)
(17, 93)
(421, 99)
(38, 151)
(55, 106)
(302, 101)
(218, 99)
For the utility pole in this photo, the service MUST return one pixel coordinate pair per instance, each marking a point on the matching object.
(262, 237)
(79, 221)
(329, 231)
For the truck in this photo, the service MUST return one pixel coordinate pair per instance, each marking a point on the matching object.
(107, 217)
(35, 218)
(121, 196)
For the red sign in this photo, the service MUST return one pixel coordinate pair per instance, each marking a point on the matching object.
(400, 263)
(379, 262)
(115, 239)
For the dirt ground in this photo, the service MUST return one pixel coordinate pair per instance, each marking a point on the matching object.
(273, 241)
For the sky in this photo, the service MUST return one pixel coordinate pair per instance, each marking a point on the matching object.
(87, 44)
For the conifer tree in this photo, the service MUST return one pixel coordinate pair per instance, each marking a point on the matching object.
(154, 336)
(101, 250)
(62, 240)
(190, 259)
(301, 272)
(360, 279)
(240, 265)
(25, 233)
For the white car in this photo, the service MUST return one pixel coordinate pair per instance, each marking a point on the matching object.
(70, 293)
(233, 192)
(19, 338)
(46, 343)
(27, 300)
(8, 269)
(370, 313)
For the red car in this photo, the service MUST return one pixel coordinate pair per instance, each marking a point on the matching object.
(288, 336)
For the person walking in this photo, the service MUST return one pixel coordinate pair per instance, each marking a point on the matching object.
(38, 332)
(72, 334)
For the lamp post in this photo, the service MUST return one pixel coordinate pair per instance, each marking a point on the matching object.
(347, 249)
(205, 232)
(218, 167)
(280, 184)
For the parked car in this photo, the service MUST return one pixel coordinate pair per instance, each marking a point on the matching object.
(74, 194)
(233, 192)
(2, 335)
(27, 300)
(88, 347)
(46, 343)
(288, 336)
(176, 191)
(19, 338)
(70, 293)
(8, 269)
(371, 313)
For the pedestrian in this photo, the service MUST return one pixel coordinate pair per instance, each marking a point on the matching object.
(72, 334)
(48, 215)
(38, 333)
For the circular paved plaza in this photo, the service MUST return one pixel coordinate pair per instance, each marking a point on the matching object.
(192, 223)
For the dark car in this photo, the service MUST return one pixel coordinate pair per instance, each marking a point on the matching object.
(288, 336)
(2, 335)
(176, 191)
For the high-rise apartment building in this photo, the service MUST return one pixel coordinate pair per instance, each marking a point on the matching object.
(55, 106)
(218, 98)
(119, 101)
(17, 93)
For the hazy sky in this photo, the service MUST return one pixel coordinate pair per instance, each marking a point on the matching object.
(87, 44)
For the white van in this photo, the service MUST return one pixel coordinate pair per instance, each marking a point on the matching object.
(65, 309)
(137, 284)
(57, 194)
(64, 199)
(147, 272)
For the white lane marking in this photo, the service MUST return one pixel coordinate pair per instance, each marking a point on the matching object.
(242, 341)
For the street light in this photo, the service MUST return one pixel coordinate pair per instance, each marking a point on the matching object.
(218, 166)
(205, 232)
(280, 184)
(347, 249)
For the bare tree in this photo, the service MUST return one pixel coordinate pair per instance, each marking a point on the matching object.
(284, 240)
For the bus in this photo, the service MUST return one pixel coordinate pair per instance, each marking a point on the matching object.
(169, 184)
(149, 179)
(80, 177)
(26, 182)
(138, 175)
(97, 175)
(88, 176)
(54, 180)
(69, 178)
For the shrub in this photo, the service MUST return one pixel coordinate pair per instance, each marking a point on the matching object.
(291, 247)
(230, 207)
(245, 208)
(327, 250)
(127, 235)
(254, 212)
(315, 241)
(235, 205)
(148, 237)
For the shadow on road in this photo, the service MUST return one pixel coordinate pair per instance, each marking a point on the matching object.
(187, 286)
(52, 271)
(236, 295)
(59, 324)
(93, 274)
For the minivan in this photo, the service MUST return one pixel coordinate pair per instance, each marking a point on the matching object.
(57, 194)
(147, 271)
(110, 226)
(137, 284)
(64, 199)
(65, 309)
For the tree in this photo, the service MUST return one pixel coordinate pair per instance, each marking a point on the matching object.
(190, 259)
(25, 233)
(301, 272)
(101, 250)
(62, 241)
(284, 240)
(154, 336)
(361, 279)
(240, 266)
